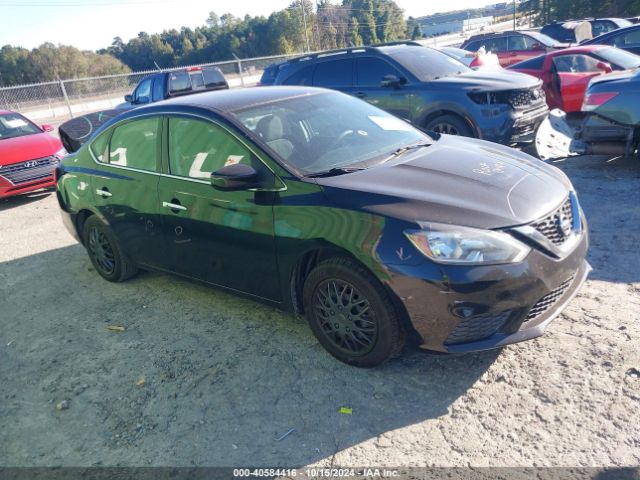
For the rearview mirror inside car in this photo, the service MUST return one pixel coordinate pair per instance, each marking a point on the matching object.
(234, 177)
(393, 81)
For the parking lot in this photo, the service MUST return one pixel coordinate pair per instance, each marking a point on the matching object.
(201, 377)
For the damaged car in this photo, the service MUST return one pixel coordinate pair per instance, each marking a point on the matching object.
(609, 123)
(429, 88)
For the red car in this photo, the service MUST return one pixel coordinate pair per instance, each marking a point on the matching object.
(513, 46)
(565, 74)
(28, 155)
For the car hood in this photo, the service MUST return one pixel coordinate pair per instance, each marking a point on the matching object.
(27, 147)
(456, 180)
(482, 80)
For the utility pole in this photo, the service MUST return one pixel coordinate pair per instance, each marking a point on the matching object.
(304, 20)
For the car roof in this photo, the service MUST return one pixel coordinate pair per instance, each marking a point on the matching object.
(236, 99)
(617, 31)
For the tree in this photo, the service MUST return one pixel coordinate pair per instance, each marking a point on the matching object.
(417, 32)
(355, 40)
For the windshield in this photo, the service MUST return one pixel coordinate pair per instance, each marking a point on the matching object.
(544, 39)
(619, 57)
(317, 133)
(15, 125)
(428, 64)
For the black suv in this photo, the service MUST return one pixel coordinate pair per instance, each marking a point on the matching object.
(428, 88)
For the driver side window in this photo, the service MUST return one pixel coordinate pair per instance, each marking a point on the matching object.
(143, 92)
(575, 64)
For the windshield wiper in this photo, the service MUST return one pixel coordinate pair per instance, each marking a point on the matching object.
(401, 150)
(334, 172)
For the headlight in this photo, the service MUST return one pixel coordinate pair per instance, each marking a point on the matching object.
(61, 153)
(466, 246)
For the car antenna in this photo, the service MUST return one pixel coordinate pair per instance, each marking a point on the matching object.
(157, 66)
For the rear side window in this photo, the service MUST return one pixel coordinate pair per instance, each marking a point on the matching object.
(135, 144)
(179, 82)
(628, 39)
(213, 78)
(494, 45)
(335, 73)
(371, 71)
(301, 77)
(197, 148)
(99, 146)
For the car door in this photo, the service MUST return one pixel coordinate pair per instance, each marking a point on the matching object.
(574, 73)
(221, 237)
(125, 187)
(370, 73)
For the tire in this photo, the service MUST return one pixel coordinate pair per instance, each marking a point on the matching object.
(105, 252)
(367, 334)
(451, 125)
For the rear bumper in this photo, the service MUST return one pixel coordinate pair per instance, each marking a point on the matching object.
(466, 309)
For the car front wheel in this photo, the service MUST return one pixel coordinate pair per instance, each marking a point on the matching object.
(351, 314)
(450, 125)
(105, 253)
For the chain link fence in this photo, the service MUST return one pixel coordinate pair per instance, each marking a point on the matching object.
(56, 102)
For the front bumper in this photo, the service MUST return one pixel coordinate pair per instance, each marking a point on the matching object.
(8, 189)
(510, 126)
(465, 309)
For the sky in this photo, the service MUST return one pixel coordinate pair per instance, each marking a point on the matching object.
(92, 24)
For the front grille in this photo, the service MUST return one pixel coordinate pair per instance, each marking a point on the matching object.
(552, 225)
(30, 170)
(477, 327)
(548, 300)
(525, 98)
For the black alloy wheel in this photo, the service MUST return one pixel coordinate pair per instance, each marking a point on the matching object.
(105, 253)
(351, 313)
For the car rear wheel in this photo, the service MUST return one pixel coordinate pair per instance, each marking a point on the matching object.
(351, 314)
(105, 253)
(450, 125)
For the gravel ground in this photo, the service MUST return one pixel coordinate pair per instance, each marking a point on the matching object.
(200, 377)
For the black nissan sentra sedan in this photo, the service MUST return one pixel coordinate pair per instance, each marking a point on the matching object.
(324, 205)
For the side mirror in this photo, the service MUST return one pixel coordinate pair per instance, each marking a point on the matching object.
(128, 98)
(604, 67)
(234, 177)
(392, 81)
(47, 128)
(537, 46)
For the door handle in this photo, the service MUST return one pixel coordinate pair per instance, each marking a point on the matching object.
(174, 206)
(104, 192)
(360, 94)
